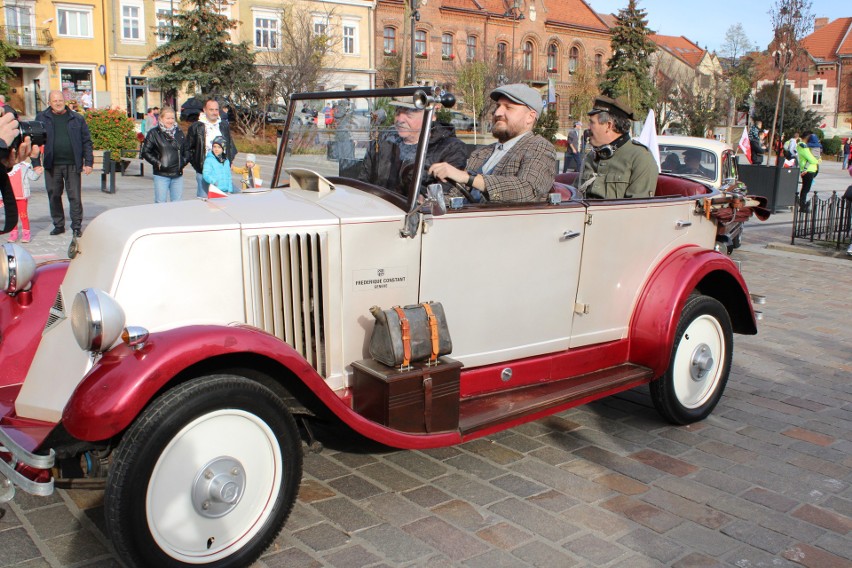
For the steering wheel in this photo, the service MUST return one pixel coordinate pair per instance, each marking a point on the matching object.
(464, 191)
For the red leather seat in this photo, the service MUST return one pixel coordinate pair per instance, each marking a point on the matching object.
(666, 185)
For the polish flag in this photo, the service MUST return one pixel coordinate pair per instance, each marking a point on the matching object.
(744, 145)
(214, 192)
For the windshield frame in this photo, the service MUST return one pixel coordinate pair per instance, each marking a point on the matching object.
(420, 95)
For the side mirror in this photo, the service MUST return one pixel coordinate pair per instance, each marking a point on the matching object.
(435, 199)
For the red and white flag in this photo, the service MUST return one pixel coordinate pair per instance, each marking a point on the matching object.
(745, 145)
(214, 192)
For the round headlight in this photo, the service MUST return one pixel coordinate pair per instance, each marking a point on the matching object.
(17, 267)
(97, 320)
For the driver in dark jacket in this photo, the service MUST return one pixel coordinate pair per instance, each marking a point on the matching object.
(387, 156)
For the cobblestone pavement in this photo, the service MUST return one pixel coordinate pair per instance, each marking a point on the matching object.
(764, 481)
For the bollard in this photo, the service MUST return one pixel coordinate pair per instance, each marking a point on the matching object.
(108, 171)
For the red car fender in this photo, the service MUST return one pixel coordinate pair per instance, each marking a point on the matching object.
(24, 316)
(124, 380)
(655, 319)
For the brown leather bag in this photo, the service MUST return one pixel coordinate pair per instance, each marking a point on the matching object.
(413, 333)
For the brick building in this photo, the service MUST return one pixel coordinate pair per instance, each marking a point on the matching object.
(541, 42)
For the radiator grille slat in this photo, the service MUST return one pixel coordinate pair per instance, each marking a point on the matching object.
(285, 299)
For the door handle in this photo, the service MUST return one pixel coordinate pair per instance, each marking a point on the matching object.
(683, 224)
(568, 235)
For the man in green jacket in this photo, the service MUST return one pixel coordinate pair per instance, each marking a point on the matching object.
(809, 165)
(617, 167)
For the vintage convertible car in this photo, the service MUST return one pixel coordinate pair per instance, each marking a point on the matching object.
(184, 351)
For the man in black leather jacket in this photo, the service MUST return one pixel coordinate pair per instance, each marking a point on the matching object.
(387, 157)
(166, 149)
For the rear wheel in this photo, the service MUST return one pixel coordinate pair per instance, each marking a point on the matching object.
(206, 476)
(700, 363)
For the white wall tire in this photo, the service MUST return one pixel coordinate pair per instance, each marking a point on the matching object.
(700, 363)
(206, 476)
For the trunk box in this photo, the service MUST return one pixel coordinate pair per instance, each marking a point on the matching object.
(421, 399)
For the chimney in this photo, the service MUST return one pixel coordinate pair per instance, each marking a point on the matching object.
(820, 22)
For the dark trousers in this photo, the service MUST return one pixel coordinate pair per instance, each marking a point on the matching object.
(807, 180)
(67, 178)
(572, 158)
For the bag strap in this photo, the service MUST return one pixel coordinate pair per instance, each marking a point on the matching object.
(405, 327)
(433, 330)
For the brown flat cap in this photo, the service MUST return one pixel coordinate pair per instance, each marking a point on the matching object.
(616, 106)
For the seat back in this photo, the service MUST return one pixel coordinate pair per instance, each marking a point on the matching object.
(673, 185)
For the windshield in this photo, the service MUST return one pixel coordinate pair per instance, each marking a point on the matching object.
(690, 161)
(369, 136)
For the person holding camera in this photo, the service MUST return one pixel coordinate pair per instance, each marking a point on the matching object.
(67, 153)
(14, 148)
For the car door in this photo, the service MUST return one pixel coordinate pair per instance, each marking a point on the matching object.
(507, 278)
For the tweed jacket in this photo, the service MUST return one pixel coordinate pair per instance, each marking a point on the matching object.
(525, 173)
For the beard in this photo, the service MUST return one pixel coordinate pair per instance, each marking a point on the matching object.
(502, 130)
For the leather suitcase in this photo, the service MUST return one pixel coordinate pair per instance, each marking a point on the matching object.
(420, 399)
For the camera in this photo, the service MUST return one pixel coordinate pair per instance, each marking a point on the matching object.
(35, 130)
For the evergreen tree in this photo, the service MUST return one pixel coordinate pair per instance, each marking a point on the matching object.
(199, 53)
(547, 124)
(629, 69)
(6, 52)
(796, 116)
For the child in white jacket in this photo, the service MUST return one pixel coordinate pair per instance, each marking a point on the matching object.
(21, 175)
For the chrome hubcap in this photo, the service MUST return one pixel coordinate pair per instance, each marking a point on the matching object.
(701, 362)
(218, 487)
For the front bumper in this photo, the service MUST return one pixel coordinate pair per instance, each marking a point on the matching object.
(20, 468)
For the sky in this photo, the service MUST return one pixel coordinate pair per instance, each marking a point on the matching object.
(706, 22)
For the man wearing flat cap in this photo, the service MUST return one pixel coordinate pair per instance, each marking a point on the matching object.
(521, 165)
(387, 156)
(617, 167)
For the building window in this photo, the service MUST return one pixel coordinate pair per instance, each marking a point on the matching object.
(471, 48)
(573, 59)
(320, 26)
(74, 21)
(164, 21)
(350, 38)
(552, 57)
(20, 29)
(528, 56)
(390, 41)
(266, 30)
(131, 22)
(816, 97)
(598, 63)
(501, 53)
(75, 82)
(420, 43)
(447, 47)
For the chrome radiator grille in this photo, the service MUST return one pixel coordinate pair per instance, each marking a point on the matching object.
(57, 312)
(285, 295)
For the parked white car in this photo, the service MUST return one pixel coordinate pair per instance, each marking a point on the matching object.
(178, 351)
(715, 159)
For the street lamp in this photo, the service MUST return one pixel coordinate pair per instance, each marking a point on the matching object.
(516, 13)
(415, 17)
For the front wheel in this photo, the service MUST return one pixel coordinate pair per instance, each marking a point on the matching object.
(700, 363)
(205, 476)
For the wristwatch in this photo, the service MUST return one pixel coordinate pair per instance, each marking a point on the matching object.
(471, 176)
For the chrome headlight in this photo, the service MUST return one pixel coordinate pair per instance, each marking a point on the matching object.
(17, 267)
(97, 320)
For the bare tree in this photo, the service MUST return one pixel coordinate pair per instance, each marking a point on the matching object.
(791, 20)
(698, 104)
(300, 59)
(582, 89)
(667, 89)
(736, 45)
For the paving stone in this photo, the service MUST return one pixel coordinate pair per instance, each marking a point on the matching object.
(418, 464)
(697, 560)
(623, 465)
(75, 547)
(461, 514)
(504, 536)
(727, 451)
(302, 516)
(812, 557)
(686, 509)
(346, 514)
(769, 499)
(696, 537)
(553, 501)
(621, 483)
(723, 481)
(839, 505)
(427, 496)
(53, 521)
(475, 466)
(26, 502)
(559, 479)
(8, 519)
(352, 557)
(85, 498)
(598, 520)
(754, 535)
(394, 508)
(322, 467)
(596, 550)
(519, 443)
(312, 490)
(389, 476)
(493, 451)
(642, 513)
(354, 487)
(322, 536)
(747, 556)
(534, 519)
(37, 563)
(838, 545)
(664, 463)
(470, 490)
(808, 436)
(651, 545)
(518, 485)
(824, 518)
(17, 546)
(791, 526)
(354, 460)
(455, 544)
(289, 558)
(543, 555)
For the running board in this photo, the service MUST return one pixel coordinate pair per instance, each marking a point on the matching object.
(485, 411)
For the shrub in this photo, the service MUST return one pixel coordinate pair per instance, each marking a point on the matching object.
(832, 146)
(112, 130)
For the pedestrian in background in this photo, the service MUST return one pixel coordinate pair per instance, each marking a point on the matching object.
(217, 167)
(20, 177)
(847, 148)
(200, 141)
(67, 154)
(166, 149)
(572, 152)
(251, 173)
(755, 133)
(809, 166)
